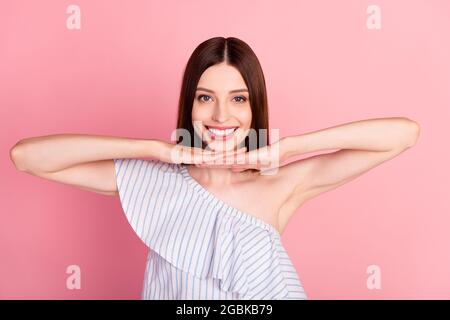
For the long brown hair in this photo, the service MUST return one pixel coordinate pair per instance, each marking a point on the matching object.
(234, 52)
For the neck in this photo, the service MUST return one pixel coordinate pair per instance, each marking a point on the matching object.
(213, 176)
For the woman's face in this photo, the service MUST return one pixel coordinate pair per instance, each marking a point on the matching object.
(221, 112)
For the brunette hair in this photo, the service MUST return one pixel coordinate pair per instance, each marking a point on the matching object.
(234, 52)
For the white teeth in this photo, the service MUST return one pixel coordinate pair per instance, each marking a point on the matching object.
(219, 132)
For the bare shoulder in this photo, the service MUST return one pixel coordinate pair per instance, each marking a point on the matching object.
(286, 185)
(304, 179)
(291, 177)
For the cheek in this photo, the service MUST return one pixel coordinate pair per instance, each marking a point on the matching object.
(199, 118)
(199, 114)
(245, 116)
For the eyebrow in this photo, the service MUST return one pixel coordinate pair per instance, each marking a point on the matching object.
(208, 90)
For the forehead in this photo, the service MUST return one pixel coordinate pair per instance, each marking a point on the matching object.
(222, 78)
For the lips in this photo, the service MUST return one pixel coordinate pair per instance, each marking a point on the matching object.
(221, 127)
(221, 133)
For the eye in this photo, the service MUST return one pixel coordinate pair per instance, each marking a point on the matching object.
(243, 99)
(201, 96)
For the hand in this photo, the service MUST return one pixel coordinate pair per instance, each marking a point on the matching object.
(262, 159)
(174, 153)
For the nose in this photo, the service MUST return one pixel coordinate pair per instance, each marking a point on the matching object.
(220, 112)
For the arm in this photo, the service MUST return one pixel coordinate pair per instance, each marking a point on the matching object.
(364, 145)
(60, 151)
(84, 161)
(380, 134)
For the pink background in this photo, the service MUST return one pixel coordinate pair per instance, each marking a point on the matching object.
(120, 75)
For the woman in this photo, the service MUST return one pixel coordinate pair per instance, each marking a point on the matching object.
(211, 214)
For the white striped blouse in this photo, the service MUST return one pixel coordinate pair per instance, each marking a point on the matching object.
(200, 247)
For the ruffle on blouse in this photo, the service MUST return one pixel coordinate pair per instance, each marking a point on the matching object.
(198, 233)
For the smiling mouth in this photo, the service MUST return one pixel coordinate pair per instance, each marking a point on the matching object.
(222, 134)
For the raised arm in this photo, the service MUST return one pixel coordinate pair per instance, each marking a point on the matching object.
(364, 145)
(84, 161)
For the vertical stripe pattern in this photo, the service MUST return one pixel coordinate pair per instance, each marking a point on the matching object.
(200, 247)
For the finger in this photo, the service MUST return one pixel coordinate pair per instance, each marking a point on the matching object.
(231, 161)
(229, 153)
(241, 157)
(242, 167)
(236, 152)
(208, 157)
(207, 153)
(239, 169)
(215, 166)
(226, 154)
(239, 151)
(212, 160)
(218, 164)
